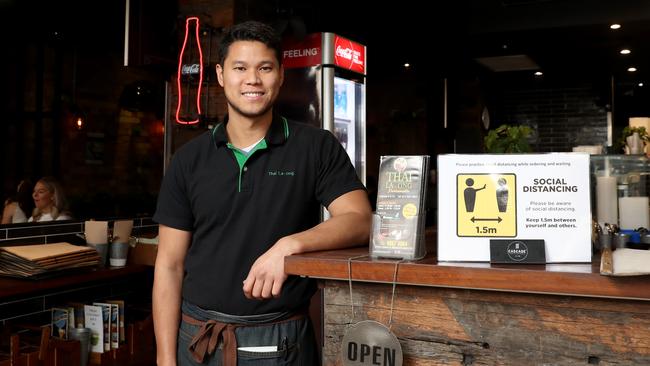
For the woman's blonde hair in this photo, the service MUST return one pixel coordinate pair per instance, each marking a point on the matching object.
(60, 203)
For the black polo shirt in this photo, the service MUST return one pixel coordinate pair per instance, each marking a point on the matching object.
(238, 206)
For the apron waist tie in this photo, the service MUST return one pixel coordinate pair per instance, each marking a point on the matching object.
(205, 341)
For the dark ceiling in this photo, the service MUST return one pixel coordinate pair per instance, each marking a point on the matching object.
(564, 37)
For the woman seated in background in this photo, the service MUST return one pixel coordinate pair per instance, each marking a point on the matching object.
(20, 205)
(50, 201)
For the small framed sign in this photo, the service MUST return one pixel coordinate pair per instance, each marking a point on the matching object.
(95, 147)
(517, 251)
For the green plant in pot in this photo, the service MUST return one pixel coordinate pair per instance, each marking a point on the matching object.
(508, 139)
(633, 139)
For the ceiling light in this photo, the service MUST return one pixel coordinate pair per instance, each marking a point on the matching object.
(640, 84)
(407, 65)
(538, 73)
(625, 51)
(615, 26)
(631, 69)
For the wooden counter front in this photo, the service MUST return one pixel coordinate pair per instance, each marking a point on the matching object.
(565, 279)
(481, 314)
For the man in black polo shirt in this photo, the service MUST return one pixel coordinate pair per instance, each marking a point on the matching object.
(234, 202)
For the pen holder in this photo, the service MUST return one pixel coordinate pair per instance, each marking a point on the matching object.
(118, 254)
(102, 250)
(83, 336)
(620, 240)
(604, 241)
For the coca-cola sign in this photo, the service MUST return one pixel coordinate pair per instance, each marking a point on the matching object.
(188, 73)
(193, 69)
(349, 55)
(302, 53)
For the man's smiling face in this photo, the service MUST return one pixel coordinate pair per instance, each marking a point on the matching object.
(251, 77)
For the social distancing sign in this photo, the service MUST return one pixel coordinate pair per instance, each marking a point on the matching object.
(486, 205)
(526, 197)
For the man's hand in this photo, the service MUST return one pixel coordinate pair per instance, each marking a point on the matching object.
(348, 225)
(267, 275)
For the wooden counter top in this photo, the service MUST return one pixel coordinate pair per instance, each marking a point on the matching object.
(561, 279)
(10, 287)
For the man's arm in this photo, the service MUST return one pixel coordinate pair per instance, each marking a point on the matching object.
(168, 278)
(351, 217)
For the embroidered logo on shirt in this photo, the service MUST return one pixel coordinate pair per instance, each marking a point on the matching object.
(284, 173)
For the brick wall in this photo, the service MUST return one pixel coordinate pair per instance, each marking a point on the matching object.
(563, 116)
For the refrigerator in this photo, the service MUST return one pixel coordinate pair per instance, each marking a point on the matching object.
(325, 86)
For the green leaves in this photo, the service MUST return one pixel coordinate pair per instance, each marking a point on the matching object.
(508, 139)
(629, 131)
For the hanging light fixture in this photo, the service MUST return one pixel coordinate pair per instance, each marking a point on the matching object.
(78, 118)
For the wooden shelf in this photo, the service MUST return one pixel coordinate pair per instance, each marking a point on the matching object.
(10, 287)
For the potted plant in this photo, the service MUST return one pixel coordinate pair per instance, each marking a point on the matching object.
(633, 139)
(508, 139)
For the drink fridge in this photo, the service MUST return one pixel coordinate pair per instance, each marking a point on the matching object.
(325, 85)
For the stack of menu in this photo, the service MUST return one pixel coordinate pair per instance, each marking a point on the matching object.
(398, 226)
(32, 261)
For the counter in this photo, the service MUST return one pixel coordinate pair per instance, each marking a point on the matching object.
(482, 314)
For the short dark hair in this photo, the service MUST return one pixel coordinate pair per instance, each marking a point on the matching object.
(251, 31)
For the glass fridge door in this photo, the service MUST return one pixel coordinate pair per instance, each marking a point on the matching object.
(349, 120)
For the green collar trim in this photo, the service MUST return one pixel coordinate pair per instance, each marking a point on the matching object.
(285, 123)
(242, 157)
(277, 134)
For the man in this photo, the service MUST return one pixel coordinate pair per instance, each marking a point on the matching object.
(234, 202)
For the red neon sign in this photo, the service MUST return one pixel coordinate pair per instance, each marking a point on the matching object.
(180, 72)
